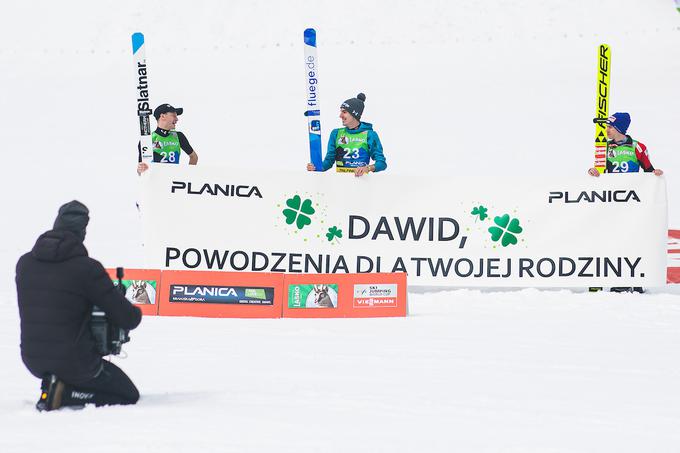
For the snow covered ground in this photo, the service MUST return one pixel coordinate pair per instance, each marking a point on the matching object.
(522, 371)
(492, 87)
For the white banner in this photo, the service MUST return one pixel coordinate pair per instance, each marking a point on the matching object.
(455, 231)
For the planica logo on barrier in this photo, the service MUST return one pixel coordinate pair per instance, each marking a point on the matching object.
(313, 296)
(238, 295)
(604, 196)
(375, 296)
(226, 190)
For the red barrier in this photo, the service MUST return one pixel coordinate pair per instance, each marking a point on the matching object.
(673, 273)
(141, 288)
(221, 294)
(345, 295)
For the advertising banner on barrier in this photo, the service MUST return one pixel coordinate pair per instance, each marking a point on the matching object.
(141, 287)
(221, 294)
(455, 231)
(673, 275)
(345, 296)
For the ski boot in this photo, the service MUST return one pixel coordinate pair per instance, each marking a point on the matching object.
(621, 289)
(52, 392)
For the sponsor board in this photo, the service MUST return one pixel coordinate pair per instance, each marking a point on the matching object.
(238, 295)
(534, 231)
(313, 296)
(141, 292)
(142, 287)
(374, 296)
(221, 294)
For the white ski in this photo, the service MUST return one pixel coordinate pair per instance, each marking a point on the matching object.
(143, 105)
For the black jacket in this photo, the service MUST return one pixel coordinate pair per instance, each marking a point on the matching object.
(57, 284)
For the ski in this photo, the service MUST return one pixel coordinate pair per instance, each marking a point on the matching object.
(143, 104)
(312, 112)
(602, 109)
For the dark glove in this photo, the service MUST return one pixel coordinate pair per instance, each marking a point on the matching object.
(339, 153)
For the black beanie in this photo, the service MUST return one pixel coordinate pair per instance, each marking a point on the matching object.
(74, 217)
(355, 106)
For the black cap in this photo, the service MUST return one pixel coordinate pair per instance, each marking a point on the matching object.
(166, 108)
(355, 106)
(73, 216)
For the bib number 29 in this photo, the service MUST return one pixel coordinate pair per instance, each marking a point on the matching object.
(620, 167)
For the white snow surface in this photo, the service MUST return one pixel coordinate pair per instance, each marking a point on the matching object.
(493, 87)
(523, 371)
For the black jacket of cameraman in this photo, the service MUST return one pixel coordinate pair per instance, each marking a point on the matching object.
(57, 285)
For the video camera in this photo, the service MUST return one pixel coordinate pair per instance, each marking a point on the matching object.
(108, 338)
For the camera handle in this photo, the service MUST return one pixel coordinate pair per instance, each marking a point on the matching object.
(120, 273)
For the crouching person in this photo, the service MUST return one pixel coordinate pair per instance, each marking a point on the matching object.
(57, 286)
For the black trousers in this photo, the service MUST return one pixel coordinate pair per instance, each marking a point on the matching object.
(110, 386)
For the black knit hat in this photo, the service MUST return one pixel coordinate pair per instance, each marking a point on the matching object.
(166, 108)
(355, 106)
(73, 216)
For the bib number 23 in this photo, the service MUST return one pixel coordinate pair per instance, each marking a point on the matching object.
(351, 153)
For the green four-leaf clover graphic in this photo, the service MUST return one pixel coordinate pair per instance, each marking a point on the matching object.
(505, 230)
(298, 211)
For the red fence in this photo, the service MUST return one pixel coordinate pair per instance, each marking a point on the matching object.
(265, 295)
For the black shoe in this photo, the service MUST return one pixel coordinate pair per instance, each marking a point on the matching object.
(638, 289)
(594, 289)
(621, 289)
(52, 393)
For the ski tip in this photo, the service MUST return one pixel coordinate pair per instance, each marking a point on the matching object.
(137, 41)
(310, 37)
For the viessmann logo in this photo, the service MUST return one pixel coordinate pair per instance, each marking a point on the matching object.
(226, 190)
(375, 296)
(602, 196)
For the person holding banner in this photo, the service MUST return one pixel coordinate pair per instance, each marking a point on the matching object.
(167, 142)
(624, 155)
(353, 146)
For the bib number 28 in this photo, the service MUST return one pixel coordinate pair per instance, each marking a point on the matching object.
(168, 157)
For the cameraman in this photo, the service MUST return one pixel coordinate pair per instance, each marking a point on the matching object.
(57, 285)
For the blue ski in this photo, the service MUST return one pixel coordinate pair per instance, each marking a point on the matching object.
(313, 113)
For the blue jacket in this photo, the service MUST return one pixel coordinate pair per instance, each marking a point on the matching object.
(375, 150)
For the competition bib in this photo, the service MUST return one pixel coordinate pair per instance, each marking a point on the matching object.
(351, 151)
(166, 149)
(622, 158)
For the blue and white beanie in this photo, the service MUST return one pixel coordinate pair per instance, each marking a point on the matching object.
(619, 121)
